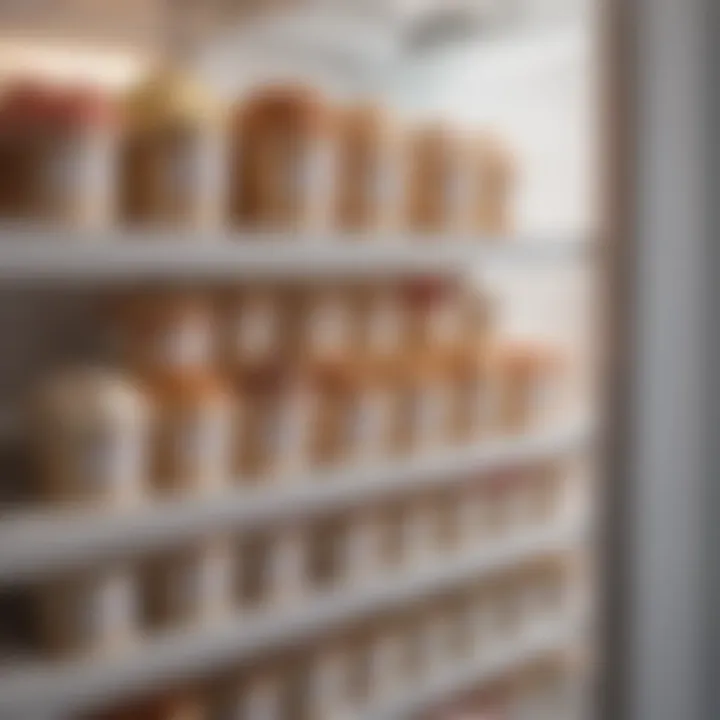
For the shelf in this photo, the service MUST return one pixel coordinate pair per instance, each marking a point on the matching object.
(470, 677)
(35, 544)
(57, 689)
(62, 257)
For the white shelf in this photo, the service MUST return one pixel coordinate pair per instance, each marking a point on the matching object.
(35, 544)
(61, 688)
(63, 257)
(468, 678)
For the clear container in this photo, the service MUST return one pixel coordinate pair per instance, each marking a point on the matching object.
(164, 332)
(193, 585)
(93, 436)
(277, 407)
(92, 612)
(173, 170)
(495, 182)
(370, 171)
(440, 182)
(58, 149)
(193, 434)
(284, 160)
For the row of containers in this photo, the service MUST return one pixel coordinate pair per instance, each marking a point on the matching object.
(202, 394)
(283, 157)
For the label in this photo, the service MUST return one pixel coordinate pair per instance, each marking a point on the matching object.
(315, 178)
(209, 162)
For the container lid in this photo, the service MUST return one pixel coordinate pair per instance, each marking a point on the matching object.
(169, 97)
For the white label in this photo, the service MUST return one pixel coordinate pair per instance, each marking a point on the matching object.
(210, 164)
(315, 175)
(257, 329)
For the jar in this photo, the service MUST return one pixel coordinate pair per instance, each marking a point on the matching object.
(278, 407)
(386, 662)
(259, 326)
(193, 584)
(288, 566)
(329, 691)
(531, 387)
(93, 429)
(383, 320)
(91, 612)
(474, 405)
(495, 180)
(172, 159)
(193, 434)
(164, 332)
(363, 547)
(440, 196)
(436, 316)
(328, 324)
(370, 179)
(283, 175)
(425, 405)
(58, 153)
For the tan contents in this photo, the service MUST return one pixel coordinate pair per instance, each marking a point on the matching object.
(57, 148)
(165, 332)
(439, 181)
(191, 585)
(260, 326)
(283, 164)
(172, 154)
(277, 407)
(93, 429)
(193, 434)
(93, 612)
(370, 172)
(530, 387)
(495, 180)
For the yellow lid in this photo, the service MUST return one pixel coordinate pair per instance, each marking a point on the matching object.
(170, 97)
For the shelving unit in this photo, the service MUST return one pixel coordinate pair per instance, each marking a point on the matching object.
(36, 690)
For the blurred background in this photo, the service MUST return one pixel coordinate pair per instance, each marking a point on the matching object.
(333, 334)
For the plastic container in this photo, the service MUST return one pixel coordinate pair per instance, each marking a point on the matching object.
(284, 160)
(164, 332)
(94, 612)
(277, 408)
(173, 172)
(440, 184)
(328, 329)
(495, 181)
(370, 170)
(531, 387)
(58, 150)
(193, 585)
(93, 433)
(193, 434)
(260, 326)
(383, 320)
